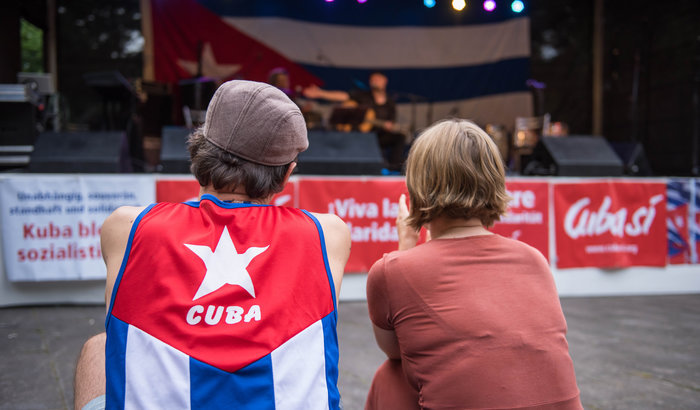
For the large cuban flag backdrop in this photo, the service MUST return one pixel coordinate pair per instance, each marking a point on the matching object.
(439, 62)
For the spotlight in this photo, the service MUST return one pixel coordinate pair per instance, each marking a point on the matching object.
(459, 5)
(517, 6)
(362, 1)
(489, 5)
(429, 3)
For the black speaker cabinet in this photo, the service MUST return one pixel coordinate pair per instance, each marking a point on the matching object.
(174, 157)
(17, 123)
(633, 157)
(329, 153)
(573, 156)
(89, 152)
(341, 153)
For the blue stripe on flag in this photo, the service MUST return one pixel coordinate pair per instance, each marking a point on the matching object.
(436, 84)
(115, 354)
(330, 339)
(248, 388)
(329, 274)
(373, 13)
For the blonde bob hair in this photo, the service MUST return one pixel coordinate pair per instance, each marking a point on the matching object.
(454, 170)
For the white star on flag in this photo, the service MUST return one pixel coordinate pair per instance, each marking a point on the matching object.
(210, 67)
(225, 265)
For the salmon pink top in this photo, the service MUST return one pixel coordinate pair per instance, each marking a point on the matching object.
(479, 324)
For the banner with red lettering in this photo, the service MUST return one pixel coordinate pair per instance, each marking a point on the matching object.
(182, 190)
(368, 205)
(51, 224)
(527, 219)
(610, 224)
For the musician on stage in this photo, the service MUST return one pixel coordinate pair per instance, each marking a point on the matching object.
(382, 105)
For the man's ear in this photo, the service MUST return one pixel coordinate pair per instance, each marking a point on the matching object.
(292, 165)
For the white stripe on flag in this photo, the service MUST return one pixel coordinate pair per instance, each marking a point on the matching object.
(491, 109)
(299, 371)
(389, 47)
(157, 375)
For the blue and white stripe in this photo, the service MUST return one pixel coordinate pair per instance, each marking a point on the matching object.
(472, 64)
(152, 374)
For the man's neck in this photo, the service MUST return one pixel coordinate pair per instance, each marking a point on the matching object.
(232, 196)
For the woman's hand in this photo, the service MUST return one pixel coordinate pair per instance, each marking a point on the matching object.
(408, 237)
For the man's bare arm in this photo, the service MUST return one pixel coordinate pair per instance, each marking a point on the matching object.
(337, 236)
(313, 91)
(113, 238)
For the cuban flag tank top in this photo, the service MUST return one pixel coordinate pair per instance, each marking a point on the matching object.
(223, 305)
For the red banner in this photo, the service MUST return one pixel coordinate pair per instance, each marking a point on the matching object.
(368, 206)
(527, 219)
(610, 224)
(177, 190)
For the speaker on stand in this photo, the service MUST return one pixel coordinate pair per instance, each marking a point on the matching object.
(80, 152)
(573, 156)
(341, 153)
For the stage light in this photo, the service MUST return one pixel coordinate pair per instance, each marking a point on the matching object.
(429, 3)
(459, 5)
(329, 1)
(517, 6)
(362, 1)
(489, 5)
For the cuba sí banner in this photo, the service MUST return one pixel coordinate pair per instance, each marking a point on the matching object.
(610, 224)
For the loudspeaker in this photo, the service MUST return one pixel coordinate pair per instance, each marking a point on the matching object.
(633, 158)
(341, 153)
(329, 153)
(89, 152)
(573, 156)
(17, 123)
(174, 157)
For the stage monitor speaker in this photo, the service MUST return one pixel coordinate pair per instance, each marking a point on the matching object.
(70, 152)
(17, 123)
(341, 153)
(633, 157)
(174, 157)
(573, 156)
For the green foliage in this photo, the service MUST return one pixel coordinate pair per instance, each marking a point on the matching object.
(32, 44)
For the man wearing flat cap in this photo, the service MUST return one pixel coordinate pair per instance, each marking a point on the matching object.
(224, 302)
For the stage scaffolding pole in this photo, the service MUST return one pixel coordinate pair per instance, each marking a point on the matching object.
(598, 31)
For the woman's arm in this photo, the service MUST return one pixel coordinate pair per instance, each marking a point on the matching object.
(387, 341)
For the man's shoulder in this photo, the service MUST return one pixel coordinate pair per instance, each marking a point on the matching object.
(332, 225)
(119, 222)
(124, 215)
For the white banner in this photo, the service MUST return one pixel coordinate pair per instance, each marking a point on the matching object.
(51, 223)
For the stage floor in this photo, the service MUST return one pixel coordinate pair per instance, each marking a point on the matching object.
(634, 352)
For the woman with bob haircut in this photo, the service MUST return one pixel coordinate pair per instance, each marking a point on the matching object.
(469, 319)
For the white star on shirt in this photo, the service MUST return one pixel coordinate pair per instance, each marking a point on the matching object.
(210, 67)
(225, 265)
